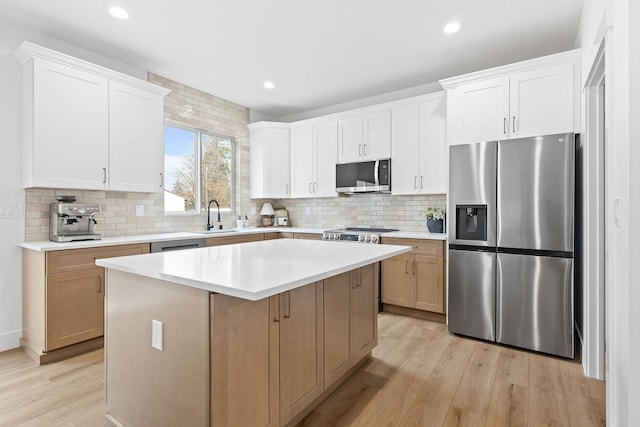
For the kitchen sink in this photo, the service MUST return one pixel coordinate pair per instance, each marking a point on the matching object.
(217, 231)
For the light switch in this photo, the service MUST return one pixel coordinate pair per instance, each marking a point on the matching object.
(139, 210)
(157, 329)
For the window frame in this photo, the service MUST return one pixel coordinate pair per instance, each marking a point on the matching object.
(198, 170)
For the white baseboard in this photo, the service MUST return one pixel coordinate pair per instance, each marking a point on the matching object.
(9, 340)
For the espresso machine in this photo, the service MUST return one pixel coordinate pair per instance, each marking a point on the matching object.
(73, 221)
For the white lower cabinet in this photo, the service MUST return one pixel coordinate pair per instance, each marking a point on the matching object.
(419, 147)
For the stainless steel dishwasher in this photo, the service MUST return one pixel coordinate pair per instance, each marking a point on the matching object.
(177, 245)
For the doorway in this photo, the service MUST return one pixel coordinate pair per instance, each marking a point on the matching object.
(594, 233)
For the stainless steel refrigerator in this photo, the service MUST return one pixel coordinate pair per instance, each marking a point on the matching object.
(511, 238)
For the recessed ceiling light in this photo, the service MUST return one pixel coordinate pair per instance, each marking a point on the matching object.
(269, 85)
(119, 12)
(452, 27)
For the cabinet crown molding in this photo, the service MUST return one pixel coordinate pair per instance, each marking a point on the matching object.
(27, 51)
(505, 70)
(268, 125)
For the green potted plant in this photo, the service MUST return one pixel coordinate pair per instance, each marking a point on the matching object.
(435, 219)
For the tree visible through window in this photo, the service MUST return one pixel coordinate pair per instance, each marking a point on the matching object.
(198, 168)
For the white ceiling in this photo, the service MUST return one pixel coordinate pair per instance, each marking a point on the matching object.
(318, 53)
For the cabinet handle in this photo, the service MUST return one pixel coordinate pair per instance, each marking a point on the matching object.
(315, 187)
(286, 189)
(360, 150)
(310, 188)
(513, 127)
(277, 318)
(415, 182)
(413, 266)
(422, 181)
(364, 151)
(287, 314)
(504, 125)
(161, 180)
(99, 283)
(406, 266)
(104, 175)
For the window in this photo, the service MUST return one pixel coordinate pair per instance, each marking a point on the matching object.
(198, 167)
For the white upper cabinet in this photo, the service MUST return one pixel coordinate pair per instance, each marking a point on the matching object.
(419, 146)
(269, 157)
(366, 136)
(302, 174)
(530, 98)
(313, 159)
(136, 149)
(88, 127)
(65, 127)
(325, 140)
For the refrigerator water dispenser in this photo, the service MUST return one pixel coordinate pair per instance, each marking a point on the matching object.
(471, 222)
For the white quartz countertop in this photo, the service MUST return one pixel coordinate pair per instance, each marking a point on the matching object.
(46, 245)
(254, 270)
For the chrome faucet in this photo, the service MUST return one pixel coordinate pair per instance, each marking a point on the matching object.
(209, 225)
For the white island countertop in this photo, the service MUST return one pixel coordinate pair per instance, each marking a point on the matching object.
(255, 270)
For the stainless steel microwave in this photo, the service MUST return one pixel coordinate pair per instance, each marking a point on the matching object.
(364, 177)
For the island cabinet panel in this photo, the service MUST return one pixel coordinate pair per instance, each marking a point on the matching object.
(301, 349)
(146, 386)
(244, 362)
(337, 326)
(350, 320)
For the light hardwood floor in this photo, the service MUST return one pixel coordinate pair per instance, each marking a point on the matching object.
(419, 376)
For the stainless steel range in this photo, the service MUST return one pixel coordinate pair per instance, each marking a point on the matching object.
(356, 234)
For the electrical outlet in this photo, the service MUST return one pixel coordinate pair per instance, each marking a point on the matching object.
(253, 210)
(307, 210)
(139, 210)
(157, 330)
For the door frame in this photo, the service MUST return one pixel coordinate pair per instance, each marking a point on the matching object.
(595, 228)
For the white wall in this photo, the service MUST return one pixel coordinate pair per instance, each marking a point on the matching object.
(614, 22)
(11, 197)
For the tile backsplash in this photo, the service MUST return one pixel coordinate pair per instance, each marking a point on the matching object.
(364, 210)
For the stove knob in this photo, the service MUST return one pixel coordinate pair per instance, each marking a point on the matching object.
(324, 236)
(374, 239)
(367, 239)
(336, 236)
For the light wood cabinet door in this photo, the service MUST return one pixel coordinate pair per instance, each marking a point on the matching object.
(244, 362)
(364, 311)
(68, 112)
(301, 349)
(135, 139)
(74, 307)
(338, 326)
(428, 279)
(396, 281)
(230, 240)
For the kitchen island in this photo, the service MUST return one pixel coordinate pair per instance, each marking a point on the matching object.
(248, 334)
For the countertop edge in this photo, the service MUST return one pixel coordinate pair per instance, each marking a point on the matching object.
(248, 295)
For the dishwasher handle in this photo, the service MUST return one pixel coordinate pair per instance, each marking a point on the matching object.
(177, 245)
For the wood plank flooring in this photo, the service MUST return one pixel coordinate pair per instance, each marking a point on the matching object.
(419, 376)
